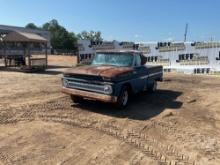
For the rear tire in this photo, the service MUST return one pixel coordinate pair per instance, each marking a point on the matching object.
(76, 99)
(123, 98)
(153, 87)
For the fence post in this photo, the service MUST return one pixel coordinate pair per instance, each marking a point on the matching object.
(46, 55)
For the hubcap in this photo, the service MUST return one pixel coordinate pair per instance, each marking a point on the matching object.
(125, 98)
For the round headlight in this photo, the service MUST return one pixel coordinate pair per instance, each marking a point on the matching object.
(108, 89)
(65, 83)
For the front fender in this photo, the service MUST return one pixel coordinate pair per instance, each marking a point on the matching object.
(117, 87)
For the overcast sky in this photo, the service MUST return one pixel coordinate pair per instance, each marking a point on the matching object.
(134, 20)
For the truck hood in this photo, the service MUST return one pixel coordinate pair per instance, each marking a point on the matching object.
(103, 71)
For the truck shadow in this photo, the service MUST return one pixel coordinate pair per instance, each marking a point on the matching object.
(142, 106)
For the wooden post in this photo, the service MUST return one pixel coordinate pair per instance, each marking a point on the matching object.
(29, 55)
(46, 55)
(24, 55)
(78, 58)
(5, 54)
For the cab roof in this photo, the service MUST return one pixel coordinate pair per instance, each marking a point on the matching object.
(118, 51)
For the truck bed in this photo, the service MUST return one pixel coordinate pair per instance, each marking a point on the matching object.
(155, 72)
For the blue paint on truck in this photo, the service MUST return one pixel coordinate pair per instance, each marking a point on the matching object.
(112, 77)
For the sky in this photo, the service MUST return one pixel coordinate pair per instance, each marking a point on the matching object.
(123, 20)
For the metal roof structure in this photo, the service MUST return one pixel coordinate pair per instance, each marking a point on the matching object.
(24, 37)
(9, 28)
(25, 41)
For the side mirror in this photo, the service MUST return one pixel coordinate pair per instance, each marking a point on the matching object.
(143, 60)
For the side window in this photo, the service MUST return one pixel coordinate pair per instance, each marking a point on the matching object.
(137, 60)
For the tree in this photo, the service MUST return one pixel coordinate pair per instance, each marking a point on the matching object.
(71, 41)
(60, 37)
(53, 24)
(92, 35)
(31, 26)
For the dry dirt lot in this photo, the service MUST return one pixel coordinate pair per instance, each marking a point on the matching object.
(179, 124)
(61, 60)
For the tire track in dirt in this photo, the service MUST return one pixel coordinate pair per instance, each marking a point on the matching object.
(53, 111)
(4, 158)
(189, 135)
(150, 147)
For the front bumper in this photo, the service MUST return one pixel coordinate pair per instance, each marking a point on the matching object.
(90, 95)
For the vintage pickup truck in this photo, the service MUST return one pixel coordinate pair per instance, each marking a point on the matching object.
(113, 77)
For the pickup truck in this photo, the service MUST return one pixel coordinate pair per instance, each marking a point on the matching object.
(112, 76)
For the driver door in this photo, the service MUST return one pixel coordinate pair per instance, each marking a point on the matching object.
(139, 74)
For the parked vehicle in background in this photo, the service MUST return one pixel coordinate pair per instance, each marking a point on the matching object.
(113, 77)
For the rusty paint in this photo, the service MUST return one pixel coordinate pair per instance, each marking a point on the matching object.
(107, 71)
(103, 71)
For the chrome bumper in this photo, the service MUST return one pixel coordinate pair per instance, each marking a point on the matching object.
(90, 95)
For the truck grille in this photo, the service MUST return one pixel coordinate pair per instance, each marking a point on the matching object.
(84, 77)
(83, 85)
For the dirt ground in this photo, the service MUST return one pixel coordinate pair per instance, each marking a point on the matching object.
(179, 124)
(54, 61)
(60, 60)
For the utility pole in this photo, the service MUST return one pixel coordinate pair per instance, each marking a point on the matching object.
(186, 31)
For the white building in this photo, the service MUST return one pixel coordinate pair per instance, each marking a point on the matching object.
(87, 48)
(188, 57)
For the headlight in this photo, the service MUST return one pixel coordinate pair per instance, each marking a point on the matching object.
(65, 83)
(108, 89)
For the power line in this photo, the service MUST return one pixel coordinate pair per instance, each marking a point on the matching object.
(186, 32)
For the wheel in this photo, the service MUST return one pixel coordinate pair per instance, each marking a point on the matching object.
(76, 99)
(123, 98)
(153, 87)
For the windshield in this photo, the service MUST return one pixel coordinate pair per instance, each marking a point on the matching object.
(115, 59)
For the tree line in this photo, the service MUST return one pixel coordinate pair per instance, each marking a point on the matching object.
(63, 39)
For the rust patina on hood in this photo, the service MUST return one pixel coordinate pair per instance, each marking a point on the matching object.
(103, 71)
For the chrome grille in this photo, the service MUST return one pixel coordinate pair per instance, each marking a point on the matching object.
(71, 83)
(84, 77)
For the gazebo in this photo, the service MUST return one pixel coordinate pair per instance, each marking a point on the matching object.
(24, 57)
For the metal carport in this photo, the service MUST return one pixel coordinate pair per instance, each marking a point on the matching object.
(25, 40)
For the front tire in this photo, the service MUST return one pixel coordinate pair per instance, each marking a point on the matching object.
(123, 98)
(153, 87)
(76, 99)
